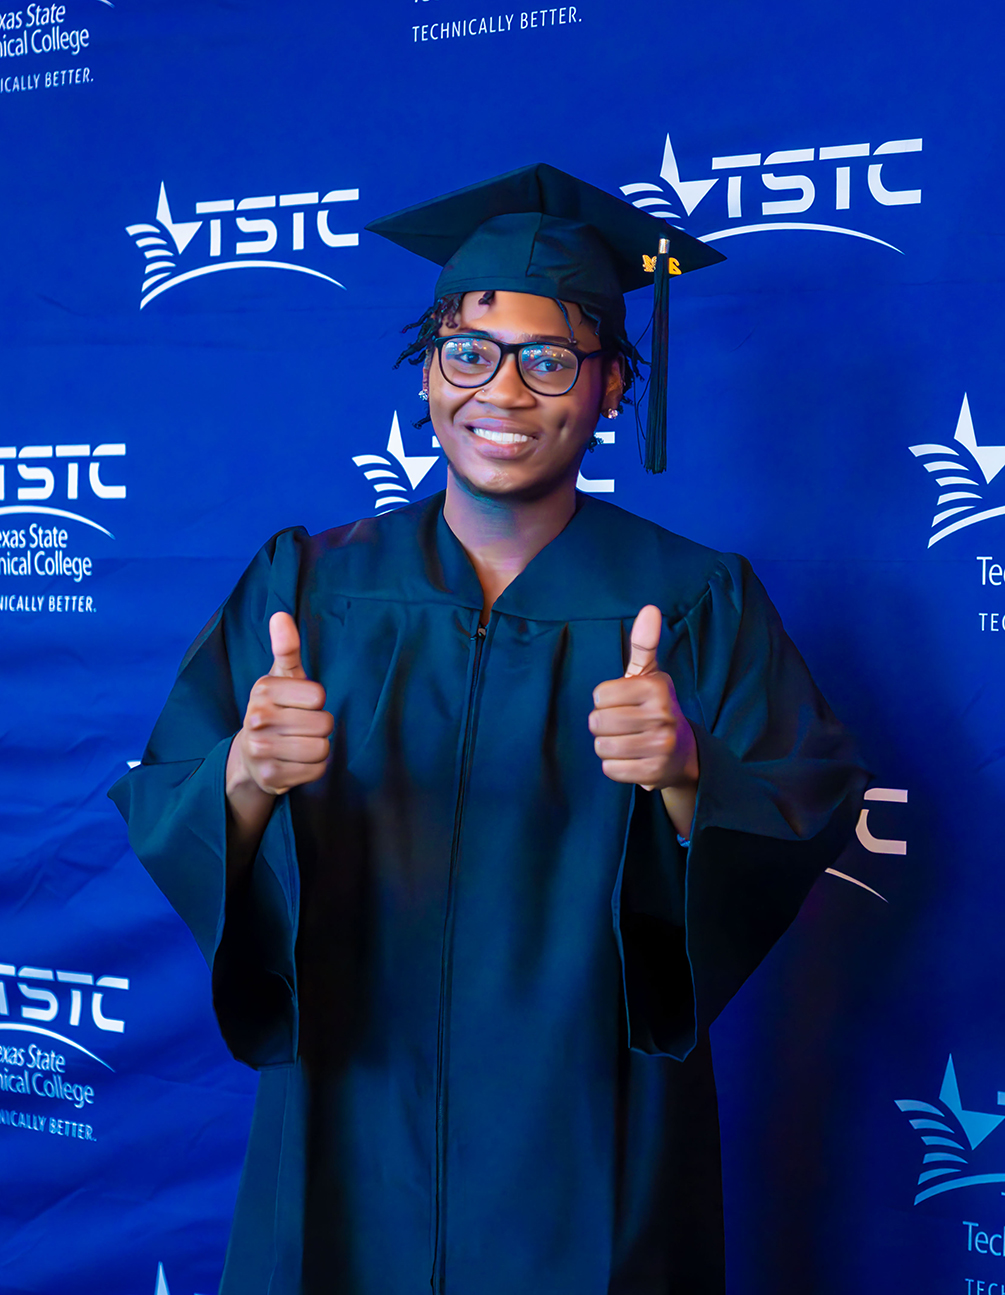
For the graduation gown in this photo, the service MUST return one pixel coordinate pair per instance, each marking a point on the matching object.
(475, 974)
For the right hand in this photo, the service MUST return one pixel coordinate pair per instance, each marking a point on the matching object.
(284, 741)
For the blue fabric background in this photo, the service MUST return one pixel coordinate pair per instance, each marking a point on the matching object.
(803, 371)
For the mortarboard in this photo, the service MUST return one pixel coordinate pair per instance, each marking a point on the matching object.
(541, 231)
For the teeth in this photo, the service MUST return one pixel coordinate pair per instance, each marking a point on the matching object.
(501, 438)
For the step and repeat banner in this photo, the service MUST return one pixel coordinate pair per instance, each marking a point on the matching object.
(198, 339)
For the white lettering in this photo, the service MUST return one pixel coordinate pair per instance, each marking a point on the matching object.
(785, 206)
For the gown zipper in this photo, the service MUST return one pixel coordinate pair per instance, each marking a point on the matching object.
(437, 1279)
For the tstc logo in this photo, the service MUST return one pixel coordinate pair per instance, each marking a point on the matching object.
(839, 179)
(394, 488)
(56, 472)
(232, 234)
(950, 1135)
(957, 476)
(41, 997)
(53, 472)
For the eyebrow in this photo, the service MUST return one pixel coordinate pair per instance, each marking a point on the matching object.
(524, 339)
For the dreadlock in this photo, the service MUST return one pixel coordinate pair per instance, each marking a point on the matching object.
(446, 311)
(615, 342)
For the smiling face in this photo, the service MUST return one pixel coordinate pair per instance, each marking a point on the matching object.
(503, 439)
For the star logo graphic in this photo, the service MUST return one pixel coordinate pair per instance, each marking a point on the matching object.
(390, 489)
(163, 243)
(161, 1287)
(949, 1133)
(956, 474)
(751, 185)
(653, 198)
(690, 192)
(182, 232)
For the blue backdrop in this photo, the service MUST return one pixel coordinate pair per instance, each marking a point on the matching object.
(197, 349)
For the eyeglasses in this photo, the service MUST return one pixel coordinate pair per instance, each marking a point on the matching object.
(470, 360)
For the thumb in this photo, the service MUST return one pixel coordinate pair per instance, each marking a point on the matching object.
(285, 647)
(645, 641)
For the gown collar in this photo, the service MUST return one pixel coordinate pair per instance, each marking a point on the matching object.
(576, 576)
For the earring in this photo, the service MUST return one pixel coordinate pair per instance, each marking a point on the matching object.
(423, 395)
(611, 413)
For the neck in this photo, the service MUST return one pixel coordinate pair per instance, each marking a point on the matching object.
(501, 535)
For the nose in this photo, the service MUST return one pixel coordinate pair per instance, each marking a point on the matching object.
(506, 388)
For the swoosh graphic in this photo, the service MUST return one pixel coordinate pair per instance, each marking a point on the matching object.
(51, 1034)
(235, 265)
(795, 224)
(965, 521)
(855, 882)
(56, 512)
(953, 1183)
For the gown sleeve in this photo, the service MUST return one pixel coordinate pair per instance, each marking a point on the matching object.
(174, 802)
(779, 793)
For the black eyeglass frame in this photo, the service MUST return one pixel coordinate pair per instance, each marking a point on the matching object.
(511, 348)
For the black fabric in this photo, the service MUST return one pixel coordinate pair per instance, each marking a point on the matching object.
(541, 231)
(476, 974)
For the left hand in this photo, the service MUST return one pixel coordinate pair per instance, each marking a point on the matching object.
(639, 730)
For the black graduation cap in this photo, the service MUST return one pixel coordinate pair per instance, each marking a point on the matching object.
(541, 231)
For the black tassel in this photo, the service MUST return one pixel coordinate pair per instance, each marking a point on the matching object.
(656, 425)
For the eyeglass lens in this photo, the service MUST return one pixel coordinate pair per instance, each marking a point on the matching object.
(472, 361)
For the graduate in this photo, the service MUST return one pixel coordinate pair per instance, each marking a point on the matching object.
(481, 810)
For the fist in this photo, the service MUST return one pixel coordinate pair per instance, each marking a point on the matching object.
(284, 740)
(639, 731)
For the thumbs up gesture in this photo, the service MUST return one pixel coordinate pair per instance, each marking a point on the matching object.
(284, 741)
(639, 730)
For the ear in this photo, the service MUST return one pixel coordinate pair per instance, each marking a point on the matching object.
(614, 382)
